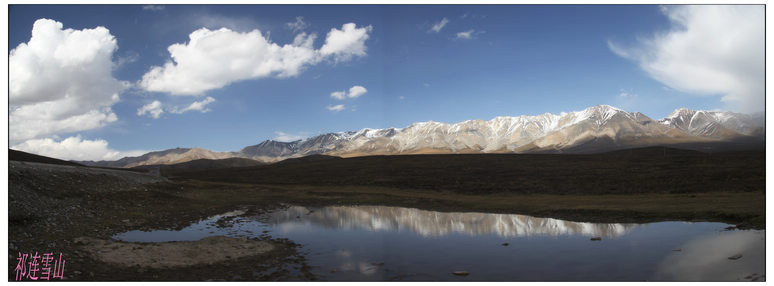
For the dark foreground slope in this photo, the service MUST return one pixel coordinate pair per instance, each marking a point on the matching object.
(75, 210)
(72, 209)
(200, 164)
(635, 171)
(14, 155)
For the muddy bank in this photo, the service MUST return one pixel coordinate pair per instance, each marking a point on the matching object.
(209, 250)
(50, 206)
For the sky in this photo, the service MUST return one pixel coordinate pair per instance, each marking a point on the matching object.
(100, 82)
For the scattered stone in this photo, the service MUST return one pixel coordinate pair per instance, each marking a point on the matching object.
(735, 257)
(76, 272)
(506, 244)
(461, 273)
(677, 250)
(596, 238)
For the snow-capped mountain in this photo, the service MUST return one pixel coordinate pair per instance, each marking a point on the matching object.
(594, 129)
(165, 157)
(714, 123)
(605, 126)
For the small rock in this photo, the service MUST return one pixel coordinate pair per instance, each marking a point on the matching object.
(735, 257)
(461, 273)
(596, 238)
(76, 272)
(677, 250)
(506, 244)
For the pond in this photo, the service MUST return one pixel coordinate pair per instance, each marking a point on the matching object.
(382, 243)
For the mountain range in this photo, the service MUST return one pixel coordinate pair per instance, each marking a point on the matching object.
(595, 129)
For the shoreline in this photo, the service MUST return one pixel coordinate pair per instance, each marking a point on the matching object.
(50, 209)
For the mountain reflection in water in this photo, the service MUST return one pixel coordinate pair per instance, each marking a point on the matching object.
(432, 224)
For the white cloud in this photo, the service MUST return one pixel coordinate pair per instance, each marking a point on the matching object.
(337, 108)
(709, 50)
(60, 81)
(467, 35)
(356, 91)
(299, 25)
(215, 58)
(340, 95)
(438, 26)
(624, 93)
(73, 148)
(346, 43)
(285, 137)
(196, 105)
(153, 7)
(153, 109)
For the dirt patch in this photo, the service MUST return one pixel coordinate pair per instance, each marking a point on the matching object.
(209, 250)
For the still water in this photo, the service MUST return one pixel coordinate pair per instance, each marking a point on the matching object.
(381, 243)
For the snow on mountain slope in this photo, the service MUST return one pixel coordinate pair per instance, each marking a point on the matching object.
(712, 123)
(600, 127)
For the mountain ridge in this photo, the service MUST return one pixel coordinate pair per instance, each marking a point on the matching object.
(598, 128)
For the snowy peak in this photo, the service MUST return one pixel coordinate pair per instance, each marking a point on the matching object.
(525, 133)
(713, 123)
(594, 129)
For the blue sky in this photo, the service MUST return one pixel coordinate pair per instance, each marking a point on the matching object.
(484, 61)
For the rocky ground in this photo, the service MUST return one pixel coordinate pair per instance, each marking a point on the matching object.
(75, 210)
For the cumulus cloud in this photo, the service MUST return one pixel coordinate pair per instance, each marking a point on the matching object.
(346, 43)
(709, 50)
(73, 148)
(153, 109)
(153, 7)
(354, 92)
(438, 26)
(196, 106)
(337, 108)
(467, 35)
(299, 25)
(215, 58)
(340, 95)
(285, 137)
(60, 81)
(626, 93)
